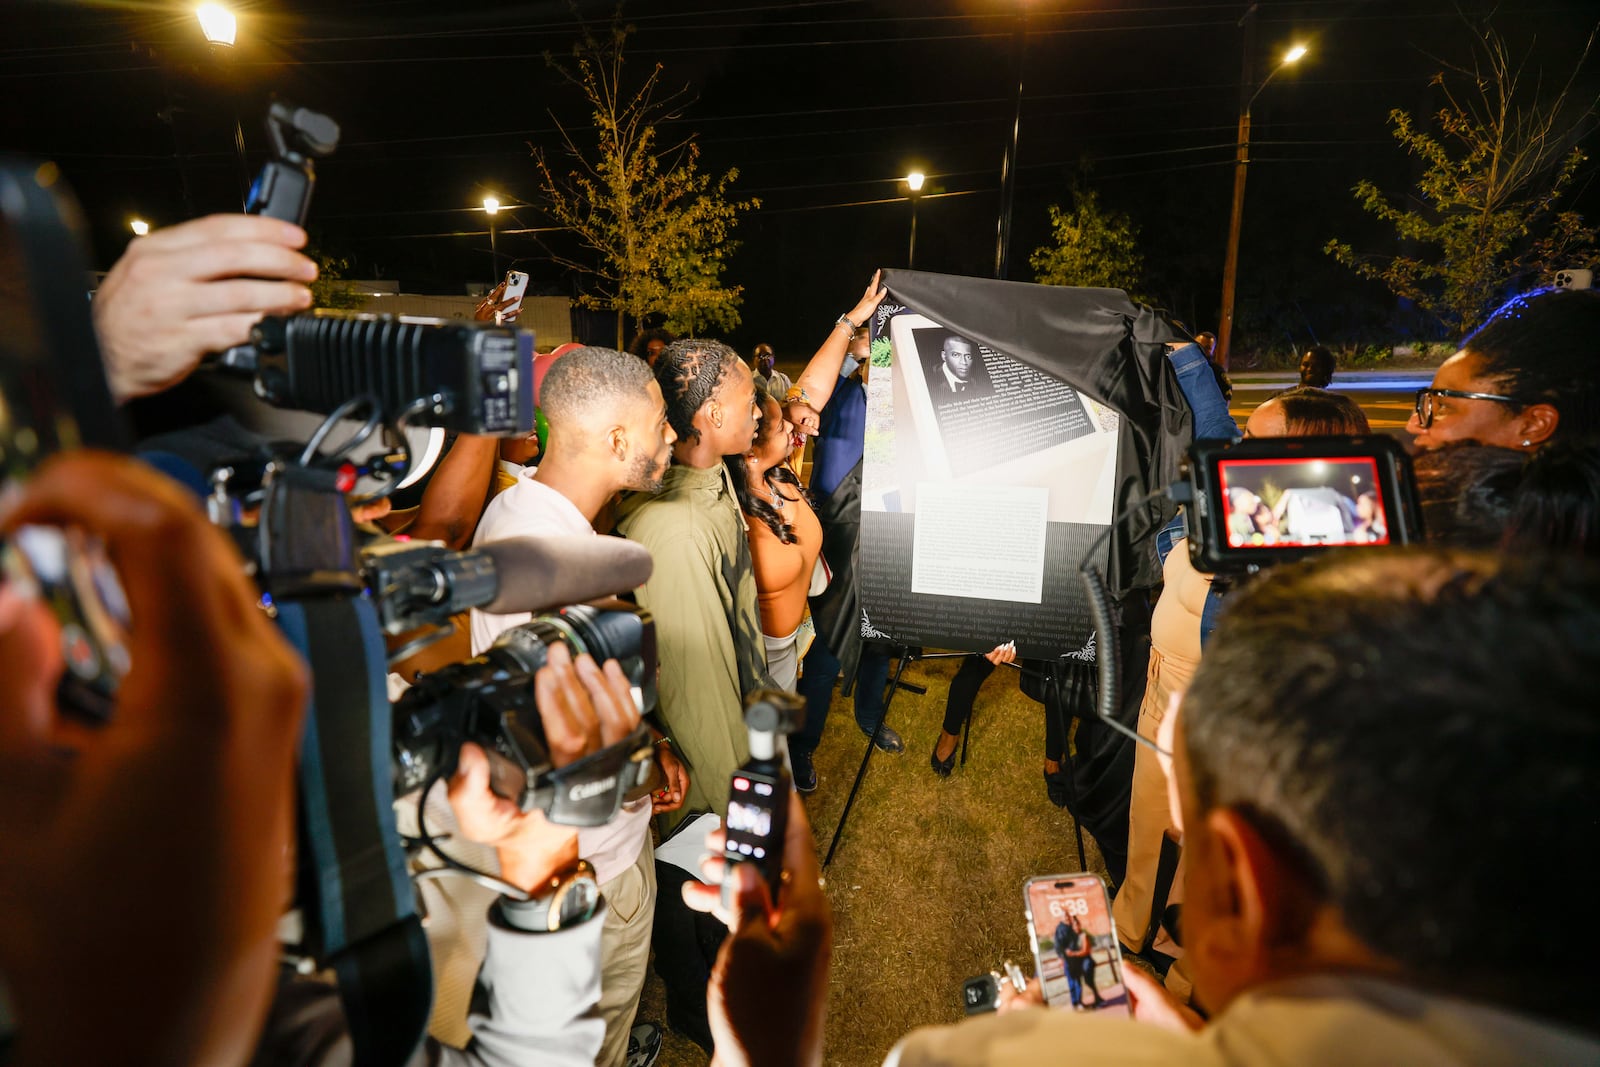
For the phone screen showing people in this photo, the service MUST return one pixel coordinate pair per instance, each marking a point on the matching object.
(1074, 946)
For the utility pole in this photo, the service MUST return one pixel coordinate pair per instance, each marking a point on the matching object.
(1241, 162)
(1008, 162)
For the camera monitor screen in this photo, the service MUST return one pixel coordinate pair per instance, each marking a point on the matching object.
(1302, 502)
(1261, 501)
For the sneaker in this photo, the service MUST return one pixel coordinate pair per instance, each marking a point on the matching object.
(644, 1045)
(888, 740)
(805, 775)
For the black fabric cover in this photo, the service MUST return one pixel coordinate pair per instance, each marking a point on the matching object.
(1105, 346)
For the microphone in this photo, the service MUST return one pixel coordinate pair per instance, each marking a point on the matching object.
(547, 572)
(418, 584)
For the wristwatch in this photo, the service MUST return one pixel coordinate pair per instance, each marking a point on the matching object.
(568, 898)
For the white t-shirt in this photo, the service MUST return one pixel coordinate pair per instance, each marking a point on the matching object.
(533, 509)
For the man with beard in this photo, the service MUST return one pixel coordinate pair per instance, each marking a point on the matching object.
(608, 432)
(702, 592)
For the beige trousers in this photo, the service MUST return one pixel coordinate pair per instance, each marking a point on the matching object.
(625, 952)
(1149, 817)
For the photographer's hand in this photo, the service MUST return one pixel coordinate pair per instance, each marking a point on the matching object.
(147, 859)
(768, 998)
(191, 289)
(584, 709)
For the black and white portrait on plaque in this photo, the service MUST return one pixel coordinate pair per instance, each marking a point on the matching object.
(982, 407)
(957, 370)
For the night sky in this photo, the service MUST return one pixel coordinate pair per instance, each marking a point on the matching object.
(821, 104)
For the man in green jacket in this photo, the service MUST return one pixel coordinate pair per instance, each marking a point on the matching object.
(703, 591)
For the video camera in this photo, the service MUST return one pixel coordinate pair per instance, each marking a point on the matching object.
(1261, 501)
(489, 701)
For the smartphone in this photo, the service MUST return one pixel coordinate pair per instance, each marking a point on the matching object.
(1075, 948)
(516, 285)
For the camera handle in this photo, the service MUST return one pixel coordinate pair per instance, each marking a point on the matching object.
(283, 188)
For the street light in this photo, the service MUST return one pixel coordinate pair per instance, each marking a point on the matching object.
(221, 30)
(139, 227)
(491, 207)
(217, 23)
(914, 182)
(1230, 266)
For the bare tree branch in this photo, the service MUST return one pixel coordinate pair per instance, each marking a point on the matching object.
(1485, 207)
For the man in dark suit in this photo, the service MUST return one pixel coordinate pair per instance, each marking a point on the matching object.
(959, 372)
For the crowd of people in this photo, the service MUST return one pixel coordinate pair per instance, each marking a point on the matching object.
(1354, 752)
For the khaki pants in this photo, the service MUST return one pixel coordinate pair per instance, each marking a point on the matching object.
(1149, 816)
(625, 952)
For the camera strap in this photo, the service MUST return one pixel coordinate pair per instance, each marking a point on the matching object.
(353, 888)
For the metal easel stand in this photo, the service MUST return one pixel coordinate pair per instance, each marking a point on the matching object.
(906, 655)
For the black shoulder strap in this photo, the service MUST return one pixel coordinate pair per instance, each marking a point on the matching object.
(354, 892)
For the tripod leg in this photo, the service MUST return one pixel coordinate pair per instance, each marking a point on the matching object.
(894, 687)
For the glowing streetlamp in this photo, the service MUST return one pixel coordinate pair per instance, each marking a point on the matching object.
(139, 227)
(1230, 266)
(914, 182)
(217, 23)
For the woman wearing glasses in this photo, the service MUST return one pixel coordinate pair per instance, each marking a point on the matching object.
(1530, 375)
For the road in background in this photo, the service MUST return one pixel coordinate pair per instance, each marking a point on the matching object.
(1386, 396)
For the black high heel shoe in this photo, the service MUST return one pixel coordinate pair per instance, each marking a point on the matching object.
(943, 767)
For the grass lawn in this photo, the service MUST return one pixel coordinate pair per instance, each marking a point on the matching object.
(927, 884)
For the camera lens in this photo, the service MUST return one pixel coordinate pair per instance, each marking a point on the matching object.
(607, 630)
